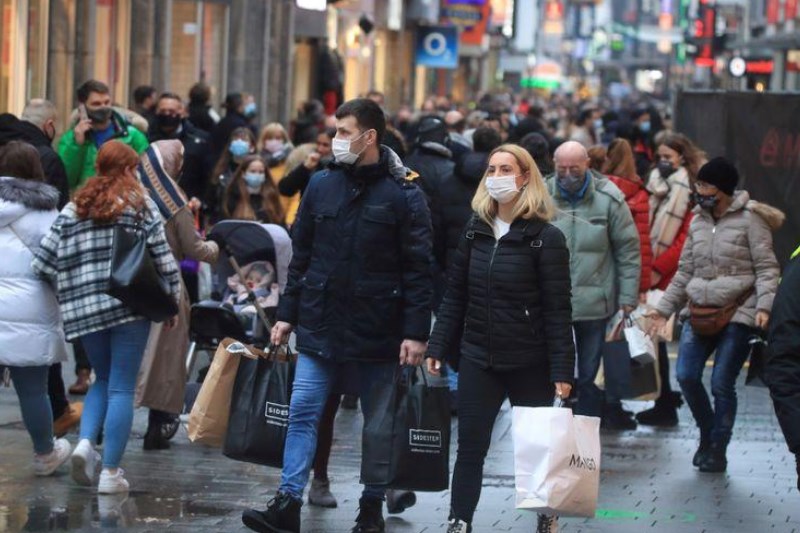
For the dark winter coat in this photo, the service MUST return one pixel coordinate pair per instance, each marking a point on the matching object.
(13, 129)
(433, 162)
(197, 162)
(457, 191)
(512, 299)
(359, 280)
(782, 371)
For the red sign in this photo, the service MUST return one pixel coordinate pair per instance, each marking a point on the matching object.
(471, 16)
(773, 6)
(760, 66)
(790, 10)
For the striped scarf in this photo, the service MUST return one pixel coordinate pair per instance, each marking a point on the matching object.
(167, 195)
(669, 203)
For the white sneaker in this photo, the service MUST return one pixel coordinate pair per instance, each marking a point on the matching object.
(84, 463)
(44, 465)
(112, 483)
(546, 524)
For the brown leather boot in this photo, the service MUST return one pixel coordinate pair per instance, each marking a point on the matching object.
(68, 420)
(81, 385)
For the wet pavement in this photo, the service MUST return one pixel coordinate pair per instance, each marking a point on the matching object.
(647, 483)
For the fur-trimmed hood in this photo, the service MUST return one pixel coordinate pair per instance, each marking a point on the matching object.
(18, 196)
(35, 195)
(773, 216)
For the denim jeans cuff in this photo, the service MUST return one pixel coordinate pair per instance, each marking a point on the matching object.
(374, 492)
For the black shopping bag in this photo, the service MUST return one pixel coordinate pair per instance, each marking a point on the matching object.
(406, 443)
(259, 416)
(626, 377)
(755, 371)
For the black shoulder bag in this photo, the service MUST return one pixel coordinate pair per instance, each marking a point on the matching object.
(134, 278)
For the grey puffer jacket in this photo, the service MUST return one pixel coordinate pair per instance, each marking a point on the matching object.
(723, 259)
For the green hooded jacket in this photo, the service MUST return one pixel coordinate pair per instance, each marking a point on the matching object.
(604, 248)
(79, 159)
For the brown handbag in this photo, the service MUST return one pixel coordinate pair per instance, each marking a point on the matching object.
(710, 320)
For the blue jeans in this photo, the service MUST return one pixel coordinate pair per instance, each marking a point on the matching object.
(313, 380)
(115, 354)
(590, 336)
(30, 382)
(732, 350)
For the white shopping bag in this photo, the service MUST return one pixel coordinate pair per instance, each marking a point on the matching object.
(640, 344)
(556, 461)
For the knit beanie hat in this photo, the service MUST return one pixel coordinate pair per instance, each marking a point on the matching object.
(720, 173)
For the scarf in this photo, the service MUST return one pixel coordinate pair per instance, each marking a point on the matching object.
(669, 203)
(157, 165)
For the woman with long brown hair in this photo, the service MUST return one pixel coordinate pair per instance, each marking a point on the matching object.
(620, 167)
(75, 256)
(670, 186)
(252, 195)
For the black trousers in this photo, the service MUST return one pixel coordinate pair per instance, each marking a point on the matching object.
(663, 372)
(481, 392)
(56, 391)
(81, 359)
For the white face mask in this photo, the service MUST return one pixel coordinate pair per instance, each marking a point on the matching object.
(341, 150)
(502, 188)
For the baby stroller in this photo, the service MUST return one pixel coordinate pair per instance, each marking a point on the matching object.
(248, 278)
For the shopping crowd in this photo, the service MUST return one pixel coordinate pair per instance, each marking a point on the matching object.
(493, 245)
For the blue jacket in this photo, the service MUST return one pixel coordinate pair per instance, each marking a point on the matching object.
(360, 279)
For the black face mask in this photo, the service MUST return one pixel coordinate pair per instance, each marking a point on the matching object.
(168, 122)
(665, 168)
(705, 201)
(99, 115)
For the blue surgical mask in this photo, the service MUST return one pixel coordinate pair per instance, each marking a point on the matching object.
(250, 109)
(570, 182)
(645, 126)
(239, 148)
(254, 181)
(598, 124)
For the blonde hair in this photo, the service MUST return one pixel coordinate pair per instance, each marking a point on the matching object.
(533, 201)
(272, 129)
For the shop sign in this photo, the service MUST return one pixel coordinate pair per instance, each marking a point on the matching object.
(437, 47)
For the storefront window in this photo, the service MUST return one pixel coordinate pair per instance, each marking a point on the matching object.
(112, 43)
(198, 45)
(36, 68)
(9, 37)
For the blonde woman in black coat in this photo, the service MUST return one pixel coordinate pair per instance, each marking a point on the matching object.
(508, 305)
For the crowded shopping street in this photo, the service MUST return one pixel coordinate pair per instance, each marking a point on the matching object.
(466, 266)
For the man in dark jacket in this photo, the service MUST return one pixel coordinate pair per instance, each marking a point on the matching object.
(432, 159)
(358, 292)
(169, 123)
(458, 189)
(38, 128)
(782, 371)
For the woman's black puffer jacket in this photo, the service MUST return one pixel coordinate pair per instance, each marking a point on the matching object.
(508, 301)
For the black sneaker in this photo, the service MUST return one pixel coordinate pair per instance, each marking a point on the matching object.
(458, 526)
(664, 413)
(398, 501)
(546, 524)
(155, 439)
(702, 450)
(349, 402)
(615, 419)
(715, 460)
(281, 516)
(370, 516)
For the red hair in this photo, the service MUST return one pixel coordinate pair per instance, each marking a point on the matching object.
(115, 188)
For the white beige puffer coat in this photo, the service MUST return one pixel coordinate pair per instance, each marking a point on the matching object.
(723, 259)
